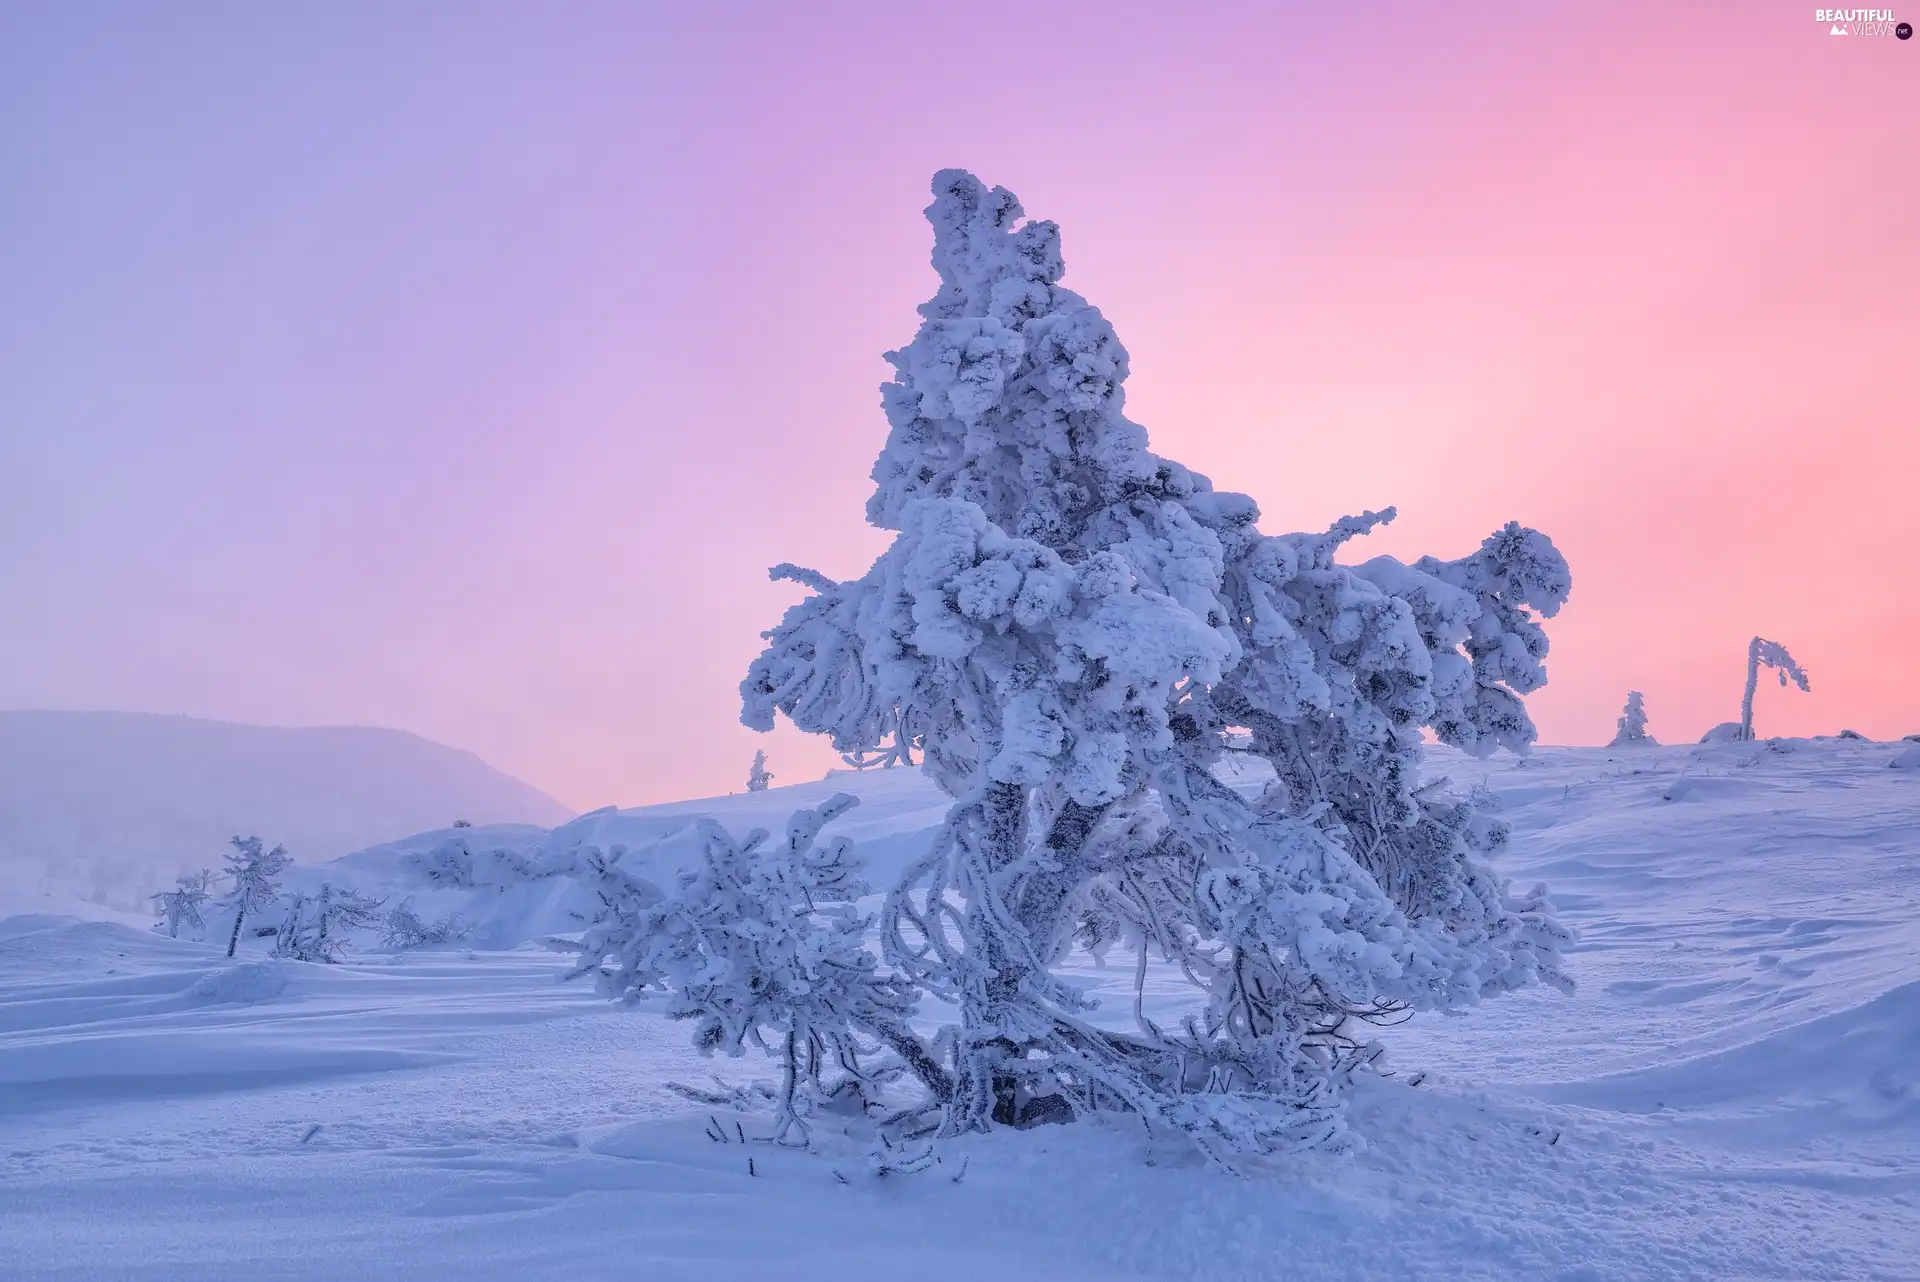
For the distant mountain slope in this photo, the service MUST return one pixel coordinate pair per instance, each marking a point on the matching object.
(110, 804)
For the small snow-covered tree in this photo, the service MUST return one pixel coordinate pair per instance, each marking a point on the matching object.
(762, 944)
(1769, 654)
(318, 928)
(455, 865)
(183, 905)
(1631, 728)
(404, 929)
(255, 873)
(758, 776)
(1069, 629)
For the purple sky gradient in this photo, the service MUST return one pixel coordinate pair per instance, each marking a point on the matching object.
(462, 367)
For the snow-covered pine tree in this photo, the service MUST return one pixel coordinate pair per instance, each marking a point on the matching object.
(1068, 627)
(183, 905)
(1631, 728)
(759, 944)
(759, 778)
(255, 872)
(404, 929)
(318, 928)
(1768, 654)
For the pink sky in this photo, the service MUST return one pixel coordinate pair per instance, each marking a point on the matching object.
(461, 368)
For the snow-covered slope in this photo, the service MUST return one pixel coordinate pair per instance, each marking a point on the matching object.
(113, 804)
(1733, 1092)
(897, 817)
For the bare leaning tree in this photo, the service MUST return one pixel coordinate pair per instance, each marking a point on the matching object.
(1770, 654)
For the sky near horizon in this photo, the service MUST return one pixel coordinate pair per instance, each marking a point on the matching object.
(462, 367)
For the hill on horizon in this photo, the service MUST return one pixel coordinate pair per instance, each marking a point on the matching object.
(109, 806)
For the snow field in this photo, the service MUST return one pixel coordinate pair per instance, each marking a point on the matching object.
(1731, 1093)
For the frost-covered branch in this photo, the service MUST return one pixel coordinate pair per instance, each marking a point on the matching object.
(761, 945)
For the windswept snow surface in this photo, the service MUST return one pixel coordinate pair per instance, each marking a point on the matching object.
(1734, 1092)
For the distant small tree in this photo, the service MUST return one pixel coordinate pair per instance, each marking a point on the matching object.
(462, 823)
(319, 927)
(182, 905)
(1771, 654)
(255, 873)
(404, 928)
(1631, 728)
(758, 776)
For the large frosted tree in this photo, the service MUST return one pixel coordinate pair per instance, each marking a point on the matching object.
(1066, 629)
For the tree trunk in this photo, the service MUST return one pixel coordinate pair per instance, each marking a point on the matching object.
(240, 915)
(1753, 683)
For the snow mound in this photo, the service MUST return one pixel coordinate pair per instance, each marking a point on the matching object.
(1860, 1065)
(35, 946)
(244, 984)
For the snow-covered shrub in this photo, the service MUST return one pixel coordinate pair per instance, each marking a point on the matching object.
(182, 907)
(759, 778)
(759, 944)
(403, 928)
(1068, 629)
(1631, 728)
(318, 928)
(1769, 654)
(255, 873)
(455, 865)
